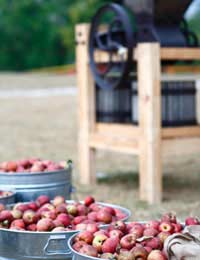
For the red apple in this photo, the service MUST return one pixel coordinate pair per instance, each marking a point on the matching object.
(61, 208)
(92, 216)
(125, 255)
(45, 224)
(77, 245)
(21, 206)
(64, 218)
(169, 217)
(95, 207)
(85, 236)
(48, 206)
(72, 210)
(88, 201)
(24, 163)
(30, 217)
(92, 227)
(192, 221)
(17, 214)
(98, 242)
(177, 227)
(58, 223)
(104, 216)
(42, 199)
(100, 232)
(5, 215)
(139, 252)
(110, 245)
(110, 210)
(156, 255)
(138, 229)
(11, 166)
(150, 232)
(88, 250)
(59, 229)
(153, 224)
(33, 205)
(37, 167)
(167, 227)
(154, 243)
(128, 241)
(81, 226)
(79, 219)
(118, 225)
(82, 210)
(116, 233)
(32, 227)
(19, 223)
(58, 200)
(48, 214)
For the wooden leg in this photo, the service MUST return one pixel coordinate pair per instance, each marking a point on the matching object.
(150, 122)
(86, 163)
(86, 102)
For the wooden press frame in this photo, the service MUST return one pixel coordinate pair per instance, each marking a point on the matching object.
(149, 141)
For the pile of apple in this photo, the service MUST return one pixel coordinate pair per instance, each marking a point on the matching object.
(4, 193)
(32, 166)
(58, 215)
(130, 241)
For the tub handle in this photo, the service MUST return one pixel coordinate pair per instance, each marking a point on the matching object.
(55, 239)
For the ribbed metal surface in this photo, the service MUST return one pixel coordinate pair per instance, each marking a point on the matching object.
(28, 186)
(21, 245)
(26, 245)
(179, 108)
(9, 199)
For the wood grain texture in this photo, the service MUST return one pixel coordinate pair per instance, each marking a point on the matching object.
(149, 71)
(86, 102)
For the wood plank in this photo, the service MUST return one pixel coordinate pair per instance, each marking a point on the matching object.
(149, 74)
(86, 102)
(181, 146)
(119, 143)
(174, 69)
(165, 54)
(175, 132)
(180, 53)
(118, 129)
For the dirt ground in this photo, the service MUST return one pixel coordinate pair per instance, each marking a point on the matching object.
(47, 127)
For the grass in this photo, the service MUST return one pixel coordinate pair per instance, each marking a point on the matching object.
(48, 128)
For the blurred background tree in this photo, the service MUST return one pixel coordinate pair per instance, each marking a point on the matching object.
(40, 33)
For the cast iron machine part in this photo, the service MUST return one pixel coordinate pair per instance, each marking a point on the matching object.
(128, 23)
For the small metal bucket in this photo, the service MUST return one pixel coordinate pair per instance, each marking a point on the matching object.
(10, 199)
(28, 186)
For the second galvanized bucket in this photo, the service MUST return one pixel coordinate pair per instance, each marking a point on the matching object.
(28, 186)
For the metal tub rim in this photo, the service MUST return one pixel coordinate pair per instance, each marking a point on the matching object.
(39, 232)
(33, 173)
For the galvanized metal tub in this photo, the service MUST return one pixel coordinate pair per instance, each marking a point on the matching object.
(25, 245)
(21, 245)
(28, 186)
(10, 199)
